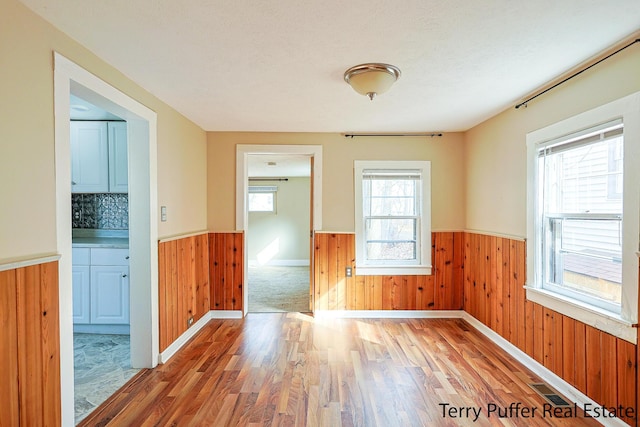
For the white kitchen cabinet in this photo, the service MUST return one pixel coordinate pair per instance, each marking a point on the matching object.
(99, 162)
(109, 294)
(89, 157)
(81, 293)
(80, 280)
(100, 287)
(118, 161)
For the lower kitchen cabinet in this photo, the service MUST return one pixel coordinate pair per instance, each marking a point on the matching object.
(81, 293)
(100, 287)
(109, 295)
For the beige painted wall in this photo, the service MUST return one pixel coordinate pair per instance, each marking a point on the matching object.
(27, 175)
(496, 149)
(289, 224)
(447, 170)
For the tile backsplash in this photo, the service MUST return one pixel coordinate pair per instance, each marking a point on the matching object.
(100, 211)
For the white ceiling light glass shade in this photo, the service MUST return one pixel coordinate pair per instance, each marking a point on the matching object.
(372, 79)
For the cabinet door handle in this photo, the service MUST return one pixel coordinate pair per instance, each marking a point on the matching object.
(127, 257)
(124, 275)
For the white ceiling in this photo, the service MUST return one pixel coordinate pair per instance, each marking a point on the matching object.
(84, 110)
(255, 65)
(277, 165)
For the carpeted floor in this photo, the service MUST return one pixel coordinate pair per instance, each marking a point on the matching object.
(278, 289)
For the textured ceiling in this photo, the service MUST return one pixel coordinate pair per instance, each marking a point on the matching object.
(271, 165)
(250, 65)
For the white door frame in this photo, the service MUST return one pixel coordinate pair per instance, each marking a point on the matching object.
(242, 190)
(143, 219)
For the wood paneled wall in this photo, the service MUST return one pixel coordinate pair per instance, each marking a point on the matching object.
(226, 270)
(484, 275)
(183, 282)
(442, 290)
(598, 364)
(30, 346)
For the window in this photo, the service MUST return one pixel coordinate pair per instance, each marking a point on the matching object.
(393, 232)
(582, 236)
(262, 198)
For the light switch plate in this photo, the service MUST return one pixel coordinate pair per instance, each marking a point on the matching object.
(163, 213)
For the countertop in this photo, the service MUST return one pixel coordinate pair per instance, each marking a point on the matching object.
(118, 239)
(100, 242)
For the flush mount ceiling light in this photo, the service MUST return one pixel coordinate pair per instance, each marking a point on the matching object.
(371, 79)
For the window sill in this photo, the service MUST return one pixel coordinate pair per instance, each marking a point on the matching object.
(393, 270)
(605, 321)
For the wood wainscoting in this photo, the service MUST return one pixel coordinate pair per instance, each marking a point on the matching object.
(197, 273)
(601, 366)
(183, 285)
(481, 274)
(226, 258)
(442, 290)
(30, 346)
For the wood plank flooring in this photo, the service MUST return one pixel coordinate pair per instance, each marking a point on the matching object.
(289, 369)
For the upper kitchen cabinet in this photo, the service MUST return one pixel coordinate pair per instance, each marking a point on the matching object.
(118, 169)
(89, 157)
(99, 157)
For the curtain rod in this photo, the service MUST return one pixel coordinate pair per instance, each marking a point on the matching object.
(266, 178)
(576, 74)
(354, 135)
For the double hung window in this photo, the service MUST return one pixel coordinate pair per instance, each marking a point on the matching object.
(581, 215)
(583, 206)
(392, 217)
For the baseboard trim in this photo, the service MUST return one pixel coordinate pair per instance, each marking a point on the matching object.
(551, 378)
(182, 339)
(226, 314)
(194, 329)
(102, 329)
(390, 314)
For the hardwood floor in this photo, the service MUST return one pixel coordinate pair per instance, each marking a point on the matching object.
(291, 369)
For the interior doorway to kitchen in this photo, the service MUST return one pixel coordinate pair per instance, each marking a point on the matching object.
(70, 79)
(100, 255)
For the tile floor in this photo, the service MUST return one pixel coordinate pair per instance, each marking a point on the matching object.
(101, 366)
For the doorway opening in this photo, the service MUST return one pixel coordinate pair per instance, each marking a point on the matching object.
(255, 184)
(72, 80)
(100, 255)
(279, 221)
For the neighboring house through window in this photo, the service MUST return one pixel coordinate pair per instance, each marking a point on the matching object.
(583, 217)
(393, 217)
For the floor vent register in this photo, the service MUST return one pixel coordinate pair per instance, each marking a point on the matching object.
(549, 394)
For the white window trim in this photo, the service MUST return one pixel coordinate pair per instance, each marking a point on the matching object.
(620, 325)
(423, 267)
